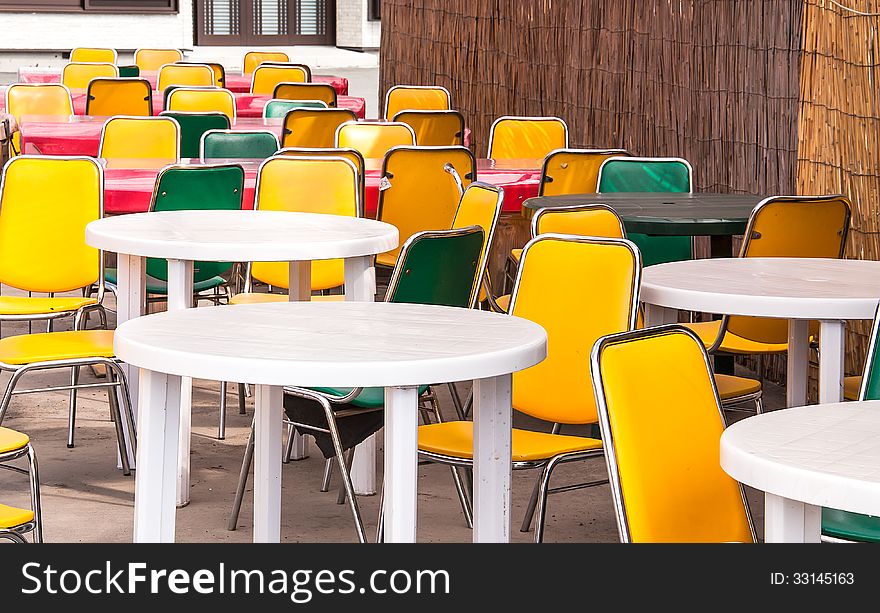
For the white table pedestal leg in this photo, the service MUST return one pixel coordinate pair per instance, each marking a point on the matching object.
(267, 463)
(798, 362)
(360, 286)
(492, 466)
(790, 521)
(300, 290)
(401, 463)
(832, 340)
(658, 315)
(180, 296)
(130, 301)
(155, 491)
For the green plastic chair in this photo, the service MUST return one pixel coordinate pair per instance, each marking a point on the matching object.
(232, 144)
(188, 188)
(277, 107)
(844, 525)
(192, 126)
(129, 71)
(434, 267)
(634, 174)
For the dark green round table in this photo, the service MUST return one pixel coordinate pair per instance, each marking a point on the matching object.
(719, 216)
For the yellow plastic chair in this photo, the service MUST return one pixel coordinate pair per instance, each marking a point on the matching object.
(602, 299)
(140, 138)
(202, 101)
(94, 54)
(526, 137)
(352, 155)
(322, 92)
(252, 59)
(374, 138)
(480, 205)
(121, 96)
(416, 98)
(423, 190)
(77, 75)
(45, 204)
(573, 171)
(219, 72)
(266, 76)
(36, 99)
(16, 522)
(661, 420)
(313, 128)
(434, 128)
(183, 75)
(154, 59)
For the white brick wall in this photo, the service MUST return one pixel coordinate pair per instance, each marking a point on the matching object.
(353, 29)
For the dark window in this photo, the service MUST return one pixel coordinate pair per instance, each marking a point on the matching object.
(102, 6)
(375, 9)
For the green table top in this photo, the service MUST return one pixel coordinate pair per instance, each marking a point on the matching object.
(666, 214)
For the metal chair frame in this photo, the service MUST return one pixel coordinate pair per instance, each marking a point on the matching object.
(33, 473)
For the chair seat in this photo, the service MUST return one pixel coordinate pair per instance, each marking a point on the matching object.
(850, 526)
(503, 302)
(12, 517)
(27, 305)
(456, 439)
(50, 346)
(386, 259)
(516, 254)
(730, 387)
(851, 386)
(369, 398)
(708, 332)
(263, 297)
(11, 440)
(158, 286)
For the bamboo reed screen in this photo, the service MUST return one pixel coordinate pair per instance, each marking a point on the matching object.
(761, 96)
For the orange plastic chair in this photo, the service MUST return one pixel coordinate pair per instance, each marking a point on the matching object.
(252, 59)
(434, 128)
(267, 76)
(124, 96)
(154, 59)
(183, 75)
(314, 127)
(526, 137)
(374, 138)
(416, 98)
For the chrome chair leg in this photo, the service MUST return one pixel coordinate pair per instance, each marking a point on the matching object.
(349, 460)
(456, 400)
(345, 471)
(759, 405)
(15, 537)
(542, 497)
(113, 400)
(241, 395)
(380, 523)
(288, 449)
(530, 510)
(221, 429)
(328, 473)
(242, 481)
(71, 412)
(35, 495)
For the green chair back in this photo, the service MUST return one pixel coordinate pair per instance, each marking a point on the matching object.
(438, 267)
(129, 71)
(196, 188)
(193, 125)
(279, 108)
(229, 144)
(666, 175)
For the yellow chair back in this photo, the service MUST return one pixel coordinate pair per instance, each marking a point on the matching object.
(329, 185)
(526, 137)
(575, 310)
(182, 75)
(36, 99)
(154, 59)
(93, 54)
(77, 75)
(45, 204)
(125, 96)
(192, 99)
(480, 205)
(434, 128)
(416, 98)
(252, 59)
(661, 422)
(322, 92)
(573, 171)
(266, 77)
(375, 138)
(582, 220)
(351, 155)
(140, 138)
(314, 128)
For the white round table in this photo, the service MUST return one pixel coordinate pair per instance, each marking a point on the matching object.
(806, 458)
(183, 237)
(341, 344)
(797, 289)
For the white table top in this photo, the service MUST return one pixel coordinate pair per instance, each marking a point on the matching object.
(266, 236)
(338, 344)
(825, 455)
(791, 288)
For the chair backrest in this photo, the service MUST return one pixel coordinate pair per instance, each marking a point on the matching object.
(323, 92)
(45, 204)
(655, 387)
(38, 99)
(140, 138)
(352, 155)
(129, 71)
(76, 75)
(575, 310)
(267, 76)
(423, 189)
(193, 125)
(313, 127)
(202, 100)
(641, 174)
(252, 59)
(526, 137)
(154, 59)
(330, 185)
(183, 75)
(580, 219)
(480, 205)
(375, 138)
(219, 72)
(121, 96)
(280, 107)
(196, 188)
(416, 98)
(573, 171)
(237, 144)
(434, 128)
(438, 267)
(93, 54)
(790, 226)
(870, 389)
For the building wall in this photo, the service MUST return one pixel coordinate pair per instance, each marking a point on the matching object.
(353, 29)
